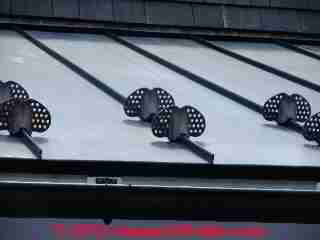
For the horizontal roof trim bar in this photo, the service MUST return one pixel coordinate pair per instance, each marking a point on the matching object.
(146, 202)
(155, 169)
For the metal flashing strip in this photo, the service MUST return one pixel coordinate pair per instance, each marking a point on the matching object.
(164, 182)
(262, 66)
(200, 80)
(147, 202)
(198, 150)
(69, 25)
(298, 49)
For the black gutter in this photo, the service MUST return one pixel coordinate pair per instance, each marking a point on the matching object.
(91, 167)
(44, 200)
(260, 65)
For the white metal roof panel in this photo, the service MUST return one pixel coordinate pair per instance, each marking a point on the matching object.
(278, 57)
(86, 125)
(234, 133)
(239, 134)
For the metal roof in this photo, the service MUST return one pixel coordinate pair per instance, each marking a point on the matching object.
(90, 129)
(87, 124)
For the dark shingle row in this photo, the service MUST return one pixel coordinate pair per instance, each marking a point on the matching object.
(194, 13)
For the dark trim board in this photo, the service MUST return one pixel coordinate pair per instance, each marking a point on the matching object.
(152, 169)
(152, 202)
